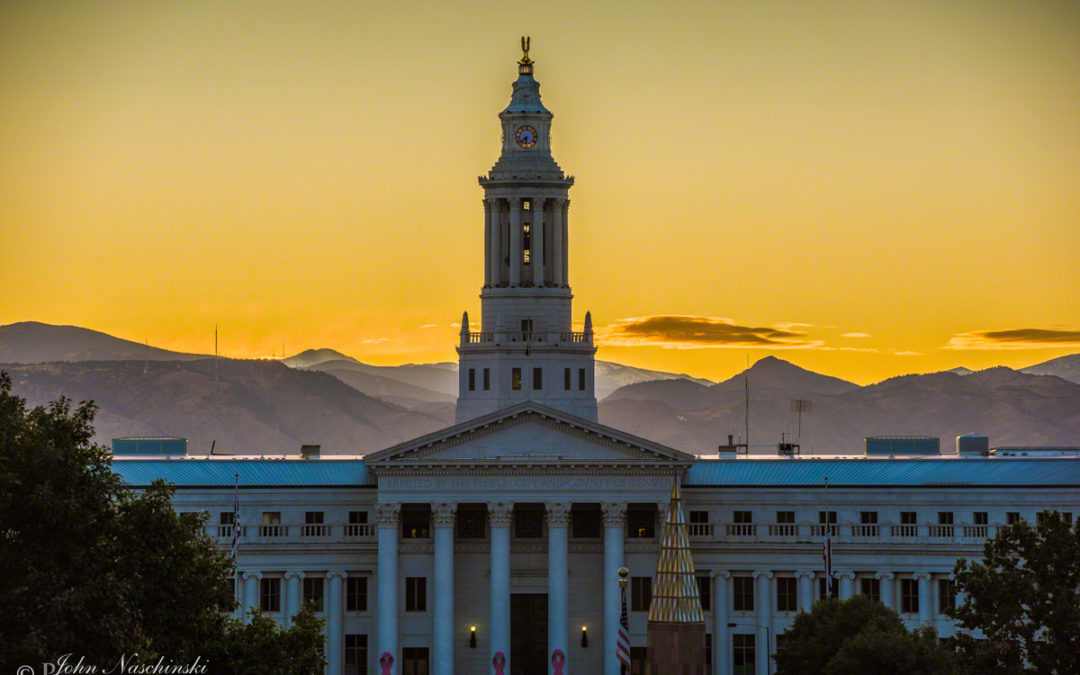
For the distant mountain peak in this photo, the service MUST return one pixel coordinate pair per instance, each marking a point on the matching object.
(313, 357)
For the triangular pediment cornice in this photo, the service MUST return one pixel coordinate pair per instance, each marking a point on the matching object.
(432, 448)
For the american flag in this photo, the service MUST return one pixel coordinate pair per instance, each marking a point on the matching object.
(622, 644)
(826, 554)
(236, 520)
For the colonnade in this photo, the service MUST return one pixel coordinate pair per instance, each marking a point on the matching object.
(500, 519)
(500, 244)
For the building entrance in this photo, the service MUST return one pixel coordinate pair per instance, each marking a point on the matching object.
(528, 633)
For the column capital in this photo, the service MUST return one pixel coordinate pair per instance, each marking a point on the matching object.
(921, 576)
(387, 515)
(500, 514)
(443, 514)
(764, 573)
(845, 575)
(720, 574)
(951, 576)
(290, 574)
(337, 574)
(252, 575)
(804, 573)
(885, 575)
(614, 514)
(557, 513)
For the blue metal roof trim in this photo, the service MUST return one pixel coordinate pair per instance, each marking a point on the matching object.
(253, 472)
(883, 472)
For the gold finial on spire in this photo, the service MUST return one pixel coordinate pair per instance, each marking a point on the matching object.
(525, 64)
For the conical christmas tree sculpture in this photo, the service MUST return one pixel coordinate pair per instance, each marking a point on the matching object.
(676, 637)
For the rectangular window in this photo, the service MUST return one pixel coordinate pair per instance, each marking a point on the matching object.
(1040, 518)
(586, 520)
(641, 521)
(708, 652)
(538, 379)
(946, 595)
(908, 518)
(356, 594)
(742, 594)
(529, 521)
(785, 517)
(415, 661)
(415, 594)
(871, 588)
(945, 518)
(742, 524)
(526, 243)
(827, 519)
(566, 379)
(699, 517)
(313, 592)
(271, 518)
(640, 593)
(227, 517)
(581, 379)
(313, 525)
(704, 591)
(270, 594)
(743, 655)
(980, 518)
(358, 524)
(744, 516)
(515, 379)
(1012, 517)
(787, 594)
(868, 517)
(637, 660)
(471, 521)
(356, 655)
(909, 596)
(487, 379)
(416, 521)
(472, 379)
(823, 587)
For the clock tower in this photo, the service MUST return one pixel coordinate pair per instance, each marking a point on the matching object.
(525, 348)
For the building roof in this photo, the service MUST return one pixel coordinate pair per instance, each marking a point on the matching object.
(927, 472)
(253, 473)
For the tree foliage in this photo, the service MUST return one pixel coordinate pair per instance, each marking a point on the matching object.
(1024, 598)
(858, 635)
(93, 569)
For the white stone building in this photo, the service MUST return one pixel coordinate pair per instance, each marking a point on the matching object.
(504, 532)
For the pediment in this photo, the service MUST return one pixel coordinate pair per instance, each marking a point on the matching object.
(531, 434)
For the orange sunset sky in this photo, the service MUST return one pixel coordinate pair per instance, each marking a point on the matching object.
(862, 188)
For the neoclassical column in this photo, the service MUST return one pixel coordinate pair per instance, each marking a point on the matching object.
(614, 529)
(292, 595)
(558, 519)
(537, 242)
(763, 604)
(847, 584)
(556, 242)
(925, 606)
(500, 514)
(495, 232)
(565, 242)
(806, 589)
(443, 514)
(387, 517)
(515, 241)
(333, 621)
(251, 592)
(720, 649)
(488, 242)
(887, 587)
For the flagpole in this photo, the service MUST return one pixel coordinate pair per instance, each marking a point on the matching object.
(235, 551)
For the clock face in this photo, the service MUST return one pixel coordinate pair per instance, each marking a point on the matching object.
(526, 137)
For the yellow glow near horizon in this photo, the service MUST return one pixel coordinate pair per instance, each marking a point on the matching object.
(882, 187)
